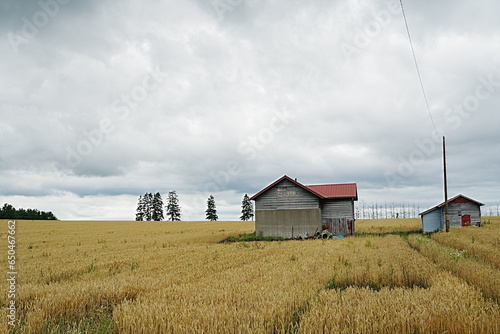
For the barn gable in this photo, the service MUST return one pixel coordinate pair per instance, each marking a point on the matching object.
(286, 194)
(288, 208)
(462, 211)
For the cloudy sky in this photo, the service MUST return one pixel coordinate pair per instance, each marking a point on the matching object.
(102, 101)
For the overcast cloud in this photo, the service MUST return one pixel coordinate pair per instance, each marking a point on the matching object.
(102, 101)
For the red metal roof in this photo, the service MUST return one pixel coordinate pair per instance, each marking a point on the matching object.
(326, 191)
(347, 190)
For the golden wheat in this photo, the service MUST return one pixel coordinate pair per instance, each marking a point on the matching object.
(163, 277)
(448, 306)
(476, 273)
(387, 226)
(480, 243)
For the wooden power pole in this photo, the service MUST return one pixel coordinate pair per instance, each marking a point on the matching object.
(446, 217)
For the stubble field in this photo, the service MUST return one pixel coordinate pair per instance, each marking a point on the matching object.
(174, 277)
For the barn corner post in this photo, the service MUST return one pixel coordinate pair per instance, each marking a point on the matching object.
(446, 217)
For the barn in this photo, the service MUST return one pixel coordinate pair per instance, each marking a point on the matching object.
(286, 208)
(462, 211)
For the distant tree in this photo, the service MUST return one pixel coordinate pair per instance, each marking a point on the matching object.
(173, 209)
(47, 215)
(148, 206)
(141, 209)
(157, 207)
(363, 212)
(246, 208)
(10, 212)
(211, 211)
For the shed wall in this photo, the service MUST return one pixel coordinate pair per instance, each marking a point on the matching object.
(432, 221)
(457, 210)
(287, 223)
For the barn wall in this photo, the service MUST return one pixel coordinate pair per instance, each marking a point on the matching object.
(286, 195)
(287, 223)
(343, 208)
(457, 210)
(432, 221)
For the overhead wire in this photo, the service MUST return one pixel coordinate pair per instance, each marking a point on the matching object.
(418, 71)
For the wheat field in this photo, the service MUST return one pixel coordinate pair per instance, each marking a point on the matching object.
(175, 277)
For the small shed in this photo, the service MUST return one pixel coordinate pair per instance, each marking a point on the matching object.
(462, 211)
(286, 208)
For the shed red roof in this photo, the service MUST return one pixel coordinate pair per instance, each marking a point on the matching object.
(347, 190)
(325, 191)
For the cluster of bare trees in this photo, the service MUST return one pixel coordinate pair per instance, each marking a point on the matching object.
(492, 210)
(375, 210)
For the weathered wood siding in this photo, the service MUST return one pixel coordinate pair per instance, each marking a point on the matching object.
(457, 210)
(337, 215)
(287, 210)
(286, 195)
(287, 223)
(337, 208)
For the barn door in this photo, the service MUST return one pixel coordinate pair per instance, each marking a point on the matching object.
(466, 220)
(339, 226)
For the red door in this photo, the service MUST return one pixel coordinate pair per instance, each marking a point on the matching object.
(466, 220)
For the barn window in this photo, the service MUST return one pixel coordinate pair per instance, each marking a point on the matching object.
(286, 191)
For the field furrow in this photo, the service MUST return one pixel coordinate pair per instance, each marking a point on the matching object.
(479, 243)
(476, 273)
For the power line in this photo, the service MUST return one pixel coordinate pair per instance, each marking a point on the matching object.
(418, 71)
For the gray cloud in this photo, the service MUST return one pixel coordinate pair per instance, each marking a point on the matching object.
(323, 91)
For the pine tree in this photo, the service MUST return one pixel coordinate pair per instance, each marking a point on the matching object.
(211, 212)
(173, 209)
(148, 204)
(139, 212)
(246, 209)
(157, 207)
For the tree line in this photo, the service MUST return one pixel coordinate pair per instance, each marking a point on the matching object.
(10, 212)
(150, 207)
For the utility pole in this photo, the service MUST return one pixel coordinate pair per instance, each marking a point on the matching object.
(446, 217)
